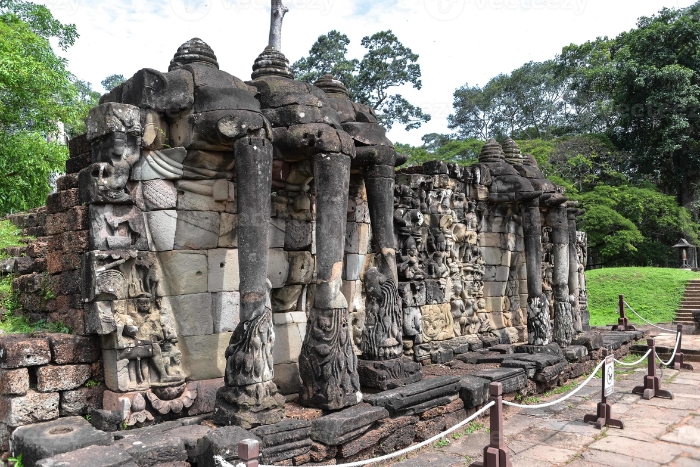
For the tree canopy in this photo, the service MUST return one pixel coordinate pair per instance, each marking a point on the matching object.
(387, 65)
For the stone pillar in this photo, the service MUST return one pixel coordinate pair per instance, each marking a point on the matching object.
(563, 320)
(250, 397)
(538, 328)
(572, 212)
(327, 364)
(382, 364)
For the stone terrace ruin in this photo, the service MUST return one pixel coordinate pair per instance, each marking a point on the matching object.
(218, 245)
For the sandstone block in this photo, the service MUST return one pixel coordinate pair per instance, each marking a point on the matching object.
(197, 230)
(14, 382)
(277, 268)
(203, 356)
(277, 233)
(52, 378)
(81, 401)
(332, 429)
(357, 238)
(185, 272)
(353, 266)
(222, 442)
(19, 351)
(226, 311)
(192, 313)
(162, 226)
(33, 407)
(206, 396)
(301, 267)
(112, 118)
(62, 201)
(224, 275)
(228, 230)
(298, 235)
(91, 456)
(286, 299)
(290, 329)
(288, 378)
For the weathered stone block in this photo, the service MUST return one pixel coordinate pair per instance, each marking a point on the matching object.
(228, 231)
(529, 367)
(357, 238)
(14, 382)
(155, 449)
(301, 267)
(413, 395)
(494, 304)
(19, 351)
(203, 356)
(197, 230)
(332, 429)
(52, 378)
(512, 379)
(290, 329)
(162, 226)
(574, 353)
(224, 273)
(353, 266)
(99, 317)
(473, 391)
(62, 201)
(33, 407)
(277, 268)
(192, 313)
(277, 233)
(189, 201)
(206, 396)
(67, 349)
(299, 235)
(226, 311)
(388, 374)
(287, 378)
(222, 442)
(81, 401)
(185, 272)
(286, 299)
(91, 456)
(112, 118)
(591, 340)
(550, 373)
(45, 440)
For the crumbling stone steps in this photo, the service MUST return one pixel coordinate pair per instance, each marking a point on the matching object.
(690, 302)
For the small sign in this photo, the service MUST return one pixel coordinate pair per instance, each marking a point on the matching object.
(609, 382)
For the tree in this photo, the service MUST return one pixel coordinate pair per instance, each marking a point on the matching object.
(387, 65)
(112, 81)
(37, 94)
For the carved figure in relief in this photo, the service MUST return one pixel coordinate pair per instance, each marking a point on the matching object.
(413, 324)
(437, 323)
(382, 335)
(409, 264)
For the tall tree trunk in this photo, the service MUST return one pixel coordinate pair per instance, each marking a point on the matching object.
(278, 12)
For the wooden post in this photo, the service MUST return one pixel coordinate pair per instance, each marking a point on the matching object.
(622, 321)
(603, 417)
(248, 452)
(678, 363)
(652, 383)
(496, 453)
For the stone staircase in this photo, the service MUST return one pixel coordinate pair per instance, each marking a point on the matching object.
(690, 302)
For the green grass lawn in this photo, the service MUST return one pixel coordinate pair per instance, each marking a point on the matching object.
(654, 293)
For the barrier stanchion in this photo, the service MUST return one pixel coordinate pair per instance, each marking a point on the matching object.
(603, 417)
(496, 453)
(623, 323)
(678, 363)
(248, 452)
(652, 383)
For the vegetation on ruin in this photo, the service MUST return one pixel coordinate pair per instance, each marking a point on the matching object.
(388, 64)
(655, 293)
(615, 121)
(38, 96)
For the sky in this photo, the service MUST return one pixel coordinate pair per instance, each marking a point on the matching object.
(458, 41)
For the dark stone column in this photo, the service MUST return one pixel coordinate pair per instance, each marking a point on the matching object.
(538, 328)
(250, 398)
(382, 364)
(572, 212)
(563, 319)
(327, 363)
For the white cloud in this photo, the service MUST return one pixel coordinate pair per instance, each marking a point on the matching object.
(458, 41)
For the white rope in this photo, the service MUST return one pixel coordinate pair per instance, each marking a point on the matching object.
(571, 394)
(673, 356)
(222, 463)
(635, 363)
(648, 322)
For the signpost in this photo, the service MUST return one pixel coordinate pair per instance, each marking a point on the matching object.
(603, 417)
(609, 382)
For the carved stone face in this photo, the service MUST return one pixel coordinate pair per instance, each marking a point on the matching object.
(143, 305)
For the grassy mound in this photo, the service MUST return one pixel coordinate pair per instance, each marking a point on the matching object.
(654, 293)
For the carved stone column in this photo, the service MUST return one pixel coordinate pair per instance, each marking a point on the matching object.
(327, 362)
(538, 328)
(572, 212)
(250, 397)
(563, 319)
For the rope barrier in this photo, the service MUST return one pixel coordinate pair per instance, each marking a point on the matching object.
(222, 463)
(635, 363)
(673, 356)
(646, 321)
(571, 394)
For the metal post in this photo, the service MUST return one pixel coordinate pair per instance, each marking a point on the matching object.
(603, 417)
(678, 363)
(496, 453)
(623, 322)
(248, 452)
(652, 383)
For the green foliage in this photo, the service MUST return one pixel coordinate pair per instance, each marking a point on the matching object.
(444, 148)
(91, 383)
(654, 293)
(386, 65)
(40, 21)
(16, 460)
(112, 81)
(10, 235)
(27, 162)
